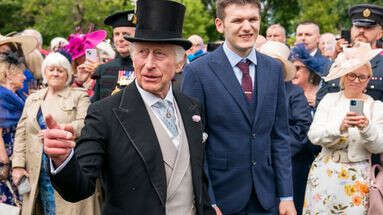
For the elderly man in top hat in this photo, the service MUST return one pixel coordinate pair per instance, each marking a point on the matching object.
(146, 141)
(112, 74)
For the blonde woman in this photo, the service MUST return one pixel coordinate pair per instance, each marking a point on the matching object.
(339, 177)
(67, 106)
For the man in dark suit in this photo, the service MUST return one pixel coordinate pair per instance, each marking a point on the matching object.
(146, 141)
(242, 94)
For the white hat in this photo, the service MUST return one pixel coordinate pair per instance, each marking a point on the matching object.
(351, 59)
(281, 52)
(28, 43)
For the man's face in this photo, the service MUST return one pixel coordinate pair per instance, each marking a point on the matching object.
(4, 48)
(366, 34)
(155, 66)
(122, 45)
(308, 35)
(276, 34)
(240, 27)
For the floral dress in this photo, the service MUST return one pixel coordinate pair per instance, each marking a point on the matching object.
(5, 194)
(339, 178)
(336, 188)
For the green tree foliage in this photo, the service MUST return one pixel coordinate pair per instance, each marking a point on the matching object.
(60, 17)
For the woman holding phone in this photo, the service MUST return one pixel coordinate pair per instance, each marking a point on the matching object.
(349, 132)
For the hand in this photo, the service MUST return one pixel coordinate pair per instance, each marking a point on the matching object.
(286, 207)
(217, 210)
(17, 174)
(340, 43)
(58, 140)
(90, 66)
(353, 119)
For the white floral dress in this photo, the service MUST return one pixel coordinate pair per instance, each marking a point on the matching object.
(338, 181)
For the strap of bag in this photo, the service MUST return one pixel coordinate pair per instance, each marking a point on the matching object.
(13, 193)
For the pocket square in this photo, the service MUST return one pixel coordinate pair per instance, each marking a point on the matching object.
(204, 137)
(196, 118)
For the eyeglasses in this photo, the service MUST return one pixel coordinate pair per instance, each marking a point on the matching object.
(361, 78)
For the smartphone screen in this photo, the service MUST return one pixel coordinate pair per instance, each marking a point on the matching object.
(345, 34)
(356, 106)
(91, 54)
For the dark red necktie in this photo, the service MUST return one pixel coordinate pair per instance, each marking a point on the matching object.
(247, 84)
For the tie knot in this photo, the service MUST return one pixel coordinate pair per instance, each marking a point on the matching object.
(244, 65)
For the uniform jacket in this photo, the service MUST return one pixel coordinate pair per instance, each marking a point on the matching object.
(119, 143)
(245, 150)
(107, 75)
(356, 144)
(69, 106)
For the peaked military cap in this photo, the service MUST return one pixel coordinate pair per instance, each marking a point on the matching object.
(366, 15)
(122, 19)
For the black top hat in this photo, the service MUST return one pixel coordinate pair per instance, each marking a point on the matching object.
(122, 19)
(366, 15)
(160, 21)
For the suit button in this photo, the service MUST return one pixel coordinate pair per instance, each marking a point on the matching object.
(133, 188)
(253, 163)
(253, 135)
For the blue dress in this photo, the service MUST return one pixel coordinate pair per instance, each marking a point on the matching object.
(11, 107)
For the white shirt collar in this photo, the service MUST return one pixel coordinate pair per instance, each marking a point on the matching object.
(150, 99)
(234, 58)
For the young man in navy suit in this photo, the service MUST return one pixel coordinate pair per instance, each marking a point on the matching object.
(242, 93)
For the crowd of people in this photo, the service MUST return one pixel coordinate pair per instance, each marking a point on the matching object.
(152, 123)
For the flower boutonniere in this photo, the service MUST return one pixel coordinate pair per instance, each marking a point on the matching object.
(196, 118)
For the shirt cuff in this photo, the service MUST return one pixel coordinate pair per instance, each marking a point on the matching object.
(55, 171)
(288, 198)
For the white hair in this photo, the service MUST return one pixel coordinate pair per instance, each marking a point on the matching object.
(107, 49)
(35, 34)
(179, 51)
(57, 59)
(58, 42)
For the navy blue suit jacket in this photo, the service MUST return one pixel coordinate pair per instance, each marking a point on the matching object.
(245, 150)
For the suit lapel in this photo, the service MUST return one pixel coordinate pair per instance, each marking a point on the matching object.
(193, 131)
(221, 67)
(262, 71)
(135, 120)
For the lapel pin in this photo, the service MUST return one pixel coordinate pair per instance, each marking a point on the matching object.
(196, 118)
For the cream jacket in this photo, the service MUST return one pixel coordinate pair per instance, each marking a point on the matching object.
(69, 106)
(357, 144)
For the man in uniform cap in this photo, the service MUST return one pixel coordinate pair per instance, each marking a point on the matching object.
(367, 26)
(120, 69)
(145, 141)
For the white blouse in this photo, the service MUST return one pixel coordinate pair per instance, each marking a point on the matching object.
(359, 144)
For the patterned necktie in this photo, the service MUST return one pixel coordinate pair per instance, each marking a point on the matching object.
(247, 84)
(165, 110)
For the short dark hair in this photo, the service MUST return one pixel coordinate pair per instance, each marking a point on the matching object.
(222, 4)
(314, 78)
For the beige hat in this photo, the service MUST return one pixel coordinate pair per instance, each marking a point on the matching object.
(281, 52)
(351, 59)
(28, 43)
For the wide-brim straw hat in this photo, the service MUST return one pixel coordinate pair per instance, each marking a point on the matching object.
(28, 43)
(281, 52)
(351, 59)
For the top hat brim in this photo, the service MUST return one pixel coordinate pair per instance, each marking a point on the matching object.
(186, 44)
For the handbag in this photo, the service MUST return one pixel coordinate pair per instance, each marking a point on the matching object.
(10, 209)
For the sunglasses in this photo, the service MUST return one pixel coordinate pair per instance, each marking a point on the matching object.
(361, 78)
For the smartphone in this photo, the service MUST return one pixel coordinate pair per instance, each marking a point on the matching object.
(356, 106)
(91, 54)
(24, 186)
(346, 35)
